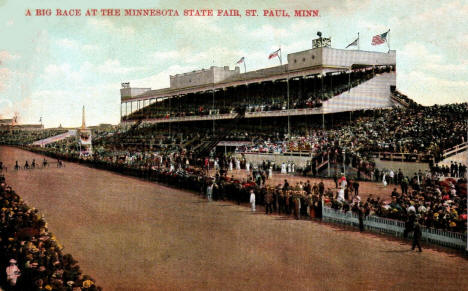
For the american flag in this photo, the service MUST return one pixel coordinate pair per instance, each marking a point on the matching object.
(274, 54)
(380, 38)
(240, 61)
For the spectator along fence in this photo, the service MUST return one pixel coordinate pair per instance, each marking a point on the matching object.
(395, 227)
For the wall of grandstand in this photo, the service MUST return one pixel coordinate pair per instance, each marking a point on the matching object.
(202, 77)
(330, 57)
(132, 92)
(304, 59)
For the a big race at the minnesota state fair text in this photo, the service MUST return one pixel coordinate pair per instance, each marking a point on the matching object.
(173, 12)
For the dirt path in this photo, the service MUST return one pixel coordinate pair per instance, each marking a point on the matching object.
(130, 234)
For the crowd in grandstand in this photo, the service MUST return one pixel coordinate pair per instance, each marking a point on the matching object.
(427, 130)
(30, 256)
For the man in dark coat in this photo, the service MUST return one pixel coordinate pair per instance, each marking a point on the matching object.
(417, 236)
(356, 187)
(269, 200)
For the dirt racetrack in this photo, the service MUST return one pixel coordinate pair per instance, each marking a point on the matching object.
(131, 234)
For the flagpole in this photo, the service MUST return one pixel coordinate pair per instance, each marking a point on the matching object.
(280, 56)
(358, 40)
(245, 68)
(388, 40)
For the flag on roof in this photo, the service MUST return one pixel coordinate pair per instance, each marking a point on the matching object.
(240, 61)
(354, 43)
(380, 38)
(274, 54)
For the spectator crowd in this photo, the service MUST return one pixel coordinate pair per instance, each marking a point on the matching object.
(30, 257)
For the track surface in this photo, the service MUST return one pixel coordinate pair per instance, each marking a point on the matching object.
(135, 235)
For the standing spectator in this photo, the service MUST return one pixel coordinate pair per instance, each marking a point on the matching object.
(404, 185)
(356, 187)
(13, 272)
(209, 192)
(269, 200)
(417, 236)
(297, 206)
(252, 199)
(391, 176)
(361, 212)
(322, 187)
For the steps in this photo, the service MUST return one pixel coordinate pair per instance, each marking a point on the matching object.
(458, 154)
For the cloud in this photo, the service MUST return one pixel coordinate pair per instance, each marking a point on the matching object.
(269, 30)
(67, 43)
(90, 48)
(58, 73)
(428, 89)
(65, 74)
(5, 103)
(219, 54)
(73, 44)
(63, 105)
(107, 25)
(5, 75)
(200, 24)
(161, 79)
(114, 66)
(6, 56)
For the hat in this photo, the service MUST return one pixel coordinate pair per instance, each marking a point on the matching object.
(88, 283)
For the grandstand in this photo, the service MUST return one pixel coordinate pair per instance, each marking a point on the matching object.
(316, 81)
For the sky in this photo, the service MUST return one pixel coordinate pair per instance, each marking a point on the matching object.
(51, 66)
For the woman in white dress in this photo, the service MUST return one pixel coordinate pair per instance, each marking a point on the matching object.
(384, 182)
(283, 168)
(252, 200)
(270, 173)
(247, 166)
(237, 164)
(230, 165)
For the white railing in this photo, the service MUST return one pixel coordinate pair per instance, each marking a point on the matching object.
(395, 227)
(456, 149)
(55, 138)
